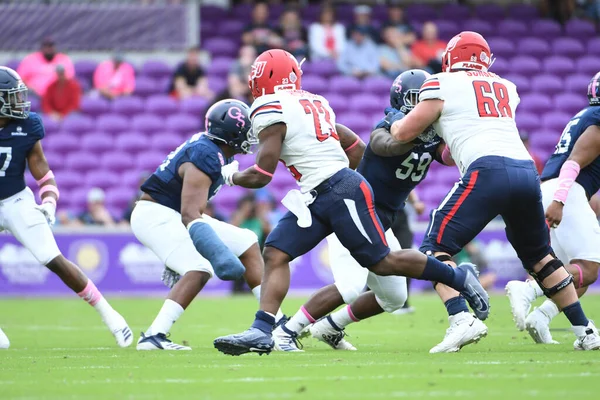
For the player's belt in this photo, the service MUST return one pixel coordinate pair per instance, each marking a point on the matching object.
(321, 187)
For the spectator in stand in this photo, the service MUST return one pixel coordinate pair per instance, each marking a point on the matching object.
(247, 216)
(560, 10)
(243, 65)
(396, 20)
(361, 56)
(96, 213)
(327, 37)
(429, 49)
(236, 89)
(62, 97)
(293, 34)
(259, 33)
(394, 56)
(114, 78)
(38, 70)
(539, 164)
(189, 78)
(362, 20)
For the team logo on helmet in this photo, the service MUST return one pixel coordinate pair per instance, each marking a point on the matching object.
(236, 113)
(293, 77)
(397, 85)
(484, 57)
(258, 68)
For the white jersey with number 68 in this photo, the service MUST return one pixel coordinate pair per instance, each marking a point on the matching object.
(311, 149)
(477, 119)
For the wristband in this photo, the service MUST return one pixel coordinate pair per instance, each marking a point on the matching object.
(49, 175)
(347, 149)
(568, 173)
(262, 171)
(51, 189)
(49, 199)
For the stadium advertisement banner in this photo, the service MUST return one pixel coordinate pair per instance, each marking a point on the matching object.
(120, 265)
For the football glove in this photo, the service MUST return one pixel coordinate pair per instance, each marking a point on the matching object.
(49, 211)
(170, 277)
(228, 170)
(392, 117)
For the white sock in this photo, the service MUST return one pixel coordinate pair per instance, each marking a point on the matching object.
(299, 321)
(168, 314)
(256, 293)
(549, 309)
(104, 309)
(343, 317)
(537, 290)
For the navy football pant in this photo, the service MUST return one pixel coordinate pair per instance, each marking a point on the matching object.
(493, 186)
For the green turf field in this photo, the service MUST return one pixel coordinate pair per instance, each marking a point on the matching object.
(60, 350)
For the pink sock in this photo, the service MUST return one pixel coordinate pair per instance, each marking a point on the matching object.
(90, 293)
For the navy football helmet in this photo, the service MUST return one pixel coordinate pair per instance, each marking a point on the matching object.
(13, 95)
(404, 93)
(593, 92)
(228, 121)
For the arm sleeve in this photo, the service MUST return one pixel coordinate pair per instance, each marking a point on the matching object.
(431, 90)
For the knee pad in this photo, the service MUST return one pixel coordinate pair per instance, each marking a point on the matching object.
(547, 270)
(349, 293)
(393, 302)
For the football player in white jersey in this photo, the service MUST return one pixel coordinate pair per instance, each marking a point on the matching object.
(299, 128)
(473, 111)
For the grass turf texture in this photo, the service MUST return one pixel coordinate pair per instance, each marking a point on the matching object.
(60, 350)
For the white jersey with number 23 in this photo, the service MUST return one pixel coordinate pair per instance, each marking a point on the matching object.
(311, 149)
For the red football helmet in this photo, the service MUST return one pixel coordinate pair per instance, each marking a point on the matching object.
(274, 70)
(467, 50)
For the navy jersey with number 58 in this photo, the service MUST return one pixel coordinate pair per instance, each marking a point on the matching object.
(17, 139)
(165, 184)
(589, 177)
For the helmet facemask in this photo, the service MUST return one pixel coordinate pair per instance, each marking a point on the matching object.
(13, 102)
(411, 99)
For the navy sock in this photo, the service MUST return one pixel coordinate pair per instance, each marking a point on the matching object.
(264, 322)
(437, 271)
(456, 305)
(575, 315)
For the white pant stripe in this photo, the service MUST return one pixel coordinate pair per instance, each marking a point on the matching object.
(442, 204)
(351, 205)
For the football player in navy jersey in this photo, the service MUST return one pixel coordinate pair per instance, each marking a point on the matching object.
(569, 180)
(174, 198)
(21, 132)
(393, 170)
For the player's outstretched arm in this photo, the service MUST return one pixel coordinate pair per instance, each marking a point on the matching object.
(269, 151)
(384, 145)
(417, 121)
(352, 144)
(194, 193)
(38, 165)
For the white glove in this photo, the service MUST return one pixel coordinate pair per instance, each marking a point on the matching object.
(170, 277)
(228, 170)
(49, 211)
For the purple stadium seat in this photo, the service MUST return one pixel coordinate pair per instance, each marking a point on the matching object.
(446, 28)
(81, 161)
(94, 106)
(536, 103)
(545, 28)
(221, 47)
(588, 65)
(194, 105)
(55, 159)
(570, 102)
(501, 66)
(324, 68)
(62, 142)
(36, 104)
(527, 120)
(68, 179)
(161, 105)
(50, 125)
(364, 103)
(455, 12)
(533, 47)
(568, 47)
(417, 12)
(345, 85)
(132, 142)
(559, 65)
(580, 28)
(593, 46)
(502, 47)
(77, 124)
(111, 123)
(149, 160)
(356, 122)
(147, 123)
(117, 161)
(434, 193)
(577, 83)
(220, 66)
(544, 138)
(215, 13)
(490, 12)
(547, 84)
(526, 65)
(555, 120)
(522, 82)
(156, 69)
(516, 27)
(133, 179)
(119, 197)
(378, 85)
(145, 86)
(523, 12)
(232, 27)
(217, 83)
(166, 142)
(127, 106)
(102, 179)
(337, 102)
(77, 199)
(84, 69)
(13, 64)
(184, 124)
(314, 83)
(478, 25)
(97, 142)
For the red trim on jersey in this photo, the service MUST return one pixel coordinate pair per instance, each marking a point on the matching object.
(459, 202)
(266, 107)
(369, 198)
(431, 84)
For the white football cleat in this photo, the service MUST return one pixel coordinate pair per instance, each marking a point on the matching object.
(286, 340)
(464, 329)
(158, 342)
(4, 342)
(120, 330)
(521, 295)
(538, 325)
(587, 337)
(325, 332)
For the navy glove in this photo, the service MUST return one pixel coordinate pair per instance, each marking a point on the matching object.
(390, 118)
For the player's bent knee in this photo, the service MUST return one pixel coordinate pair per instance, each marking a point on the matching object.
(551, 267)
(392, 301)
(588, 271)
(274, 257)
(349, 293)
